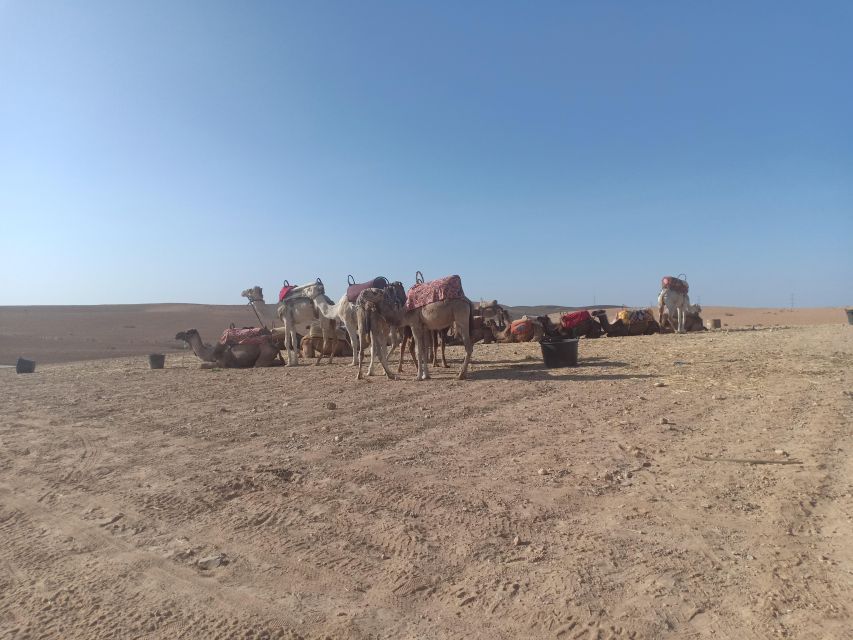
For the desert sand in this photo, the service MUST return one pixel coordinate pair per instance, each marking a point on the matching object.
(672, 486)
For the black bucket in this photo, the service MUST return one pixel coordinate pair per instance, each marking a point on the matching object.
(25, 366)
(156, 360)
(850, 316)
(560, 352)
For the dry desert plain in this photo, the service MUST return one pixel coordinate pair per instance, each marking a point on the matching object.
(672, 486)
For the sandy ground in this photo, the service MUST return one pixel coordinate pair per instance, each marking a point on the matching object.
(523, 503)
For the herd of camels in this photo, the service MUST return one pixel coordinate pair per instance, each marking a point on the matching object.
(379, 314)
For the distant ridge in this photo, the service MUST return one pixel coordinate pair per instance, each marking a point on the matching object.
(547, 309)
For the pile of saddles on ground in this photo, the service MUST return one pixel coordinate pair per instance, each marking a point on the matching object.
(378, 314)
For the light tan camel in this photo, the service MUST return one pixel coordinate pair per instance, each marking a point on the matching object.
(491, 310)
(296, 312)
(375, 306)
(236, 356)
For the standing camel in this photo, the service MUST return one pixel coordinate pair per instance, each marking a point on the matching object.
(677, 305)
(389, 305)
(297, 311)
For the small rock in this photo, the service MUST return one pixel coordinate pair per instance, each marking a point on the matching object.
(331, 405)
(254, 434)
(781, 452)
(338, 438)
(664, 421)
(542, 472)
(211, 562)
(285, 404)
(716, 397)
(660, 384)
(516, 541)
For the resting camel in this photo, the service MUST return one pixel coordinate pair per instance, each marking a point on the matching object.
(526, 329)
(237, 356)
(314, 343)
(621, 328)
(388, 306)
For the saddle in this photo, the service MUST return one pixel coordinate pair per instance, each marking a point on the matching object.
(676, 284)
(423, 293)
(634, 316)
(523, 329)
(246, 335)
(285, 291)
(354, 289)
(572, 320)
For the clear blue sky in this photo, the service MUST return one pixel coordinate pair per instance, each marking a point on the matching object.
(547, 152)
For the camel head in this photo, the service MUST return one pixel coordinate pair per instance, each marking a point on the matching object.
(395, 294)
(314, 290)
(187, 335)
(255, 294)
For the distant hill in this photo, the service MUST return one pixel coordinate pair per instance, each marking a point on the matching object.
(548, 309)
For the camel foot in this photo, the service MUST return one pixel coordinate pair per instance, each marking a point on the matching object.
(461, 376)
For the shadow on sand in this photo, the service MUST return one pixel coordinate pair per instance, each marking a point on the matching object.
(536, 371)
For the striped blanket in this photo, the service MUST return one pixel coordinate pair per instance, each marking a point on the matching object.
(420, 295)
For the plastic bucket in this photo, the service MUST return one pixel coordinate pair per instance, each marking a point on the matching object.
(560, 352)
(25, 366)
(849, 316)
(156, 360)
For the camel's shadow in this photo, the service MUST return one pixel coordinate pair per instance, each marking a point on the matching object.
(537, 371)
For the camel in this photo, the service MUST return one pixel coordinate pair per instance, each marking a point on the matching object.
(577, 324)
(314, 343)
(375, 306)
(677, 305)
(692, 320)
(620, 327)
(296, 312)
(491, 311)
(264, 311)
(526, 329)
(238, 356)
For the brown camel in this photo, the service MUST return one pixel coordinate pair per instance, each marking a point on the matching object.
(388, 307)
(237, 356)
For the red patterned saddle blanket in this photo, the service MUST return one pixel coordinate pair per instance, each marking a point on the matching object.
(248, 335)
(671, 282)
(353, 290)
(424, 293)
(522, 329)
(572, 320)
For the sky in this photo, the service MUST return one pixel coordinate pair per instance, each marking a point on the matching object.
(565, 153)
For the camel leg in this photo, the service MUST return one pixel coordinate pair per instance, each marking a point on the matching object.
(442, 336)
(360, 342)
(353, 339)
(402, 351)
(469, 350)
(378, 338)
(419, 338)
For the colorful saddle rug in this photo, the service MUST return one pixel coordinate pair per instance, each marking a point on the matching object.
(634, 316)
(248, 335)
(522, 330)
(677, 285)
(424, 293)
(354, 289)
(572, 320)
